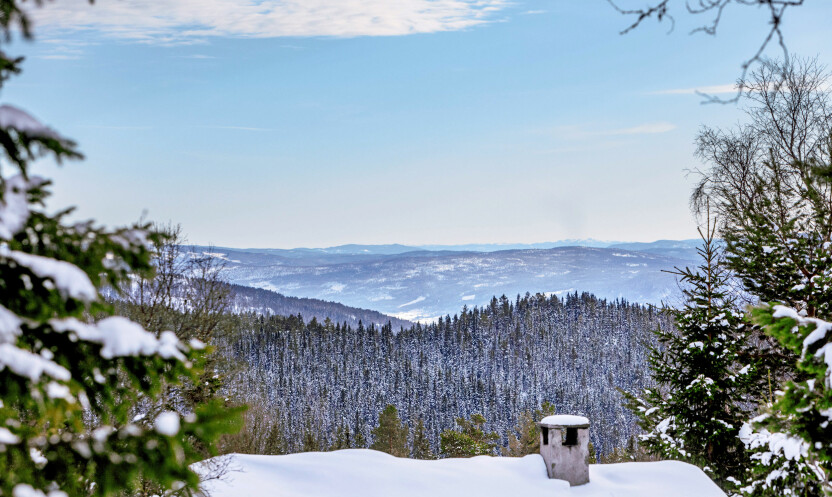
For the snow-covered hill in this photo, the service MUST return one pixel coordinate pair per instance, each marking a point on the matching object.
(367, 473)
(248, 299)
(421, 285)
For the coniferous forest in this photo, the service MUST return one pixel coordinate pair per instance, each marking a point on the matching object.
(325, 384)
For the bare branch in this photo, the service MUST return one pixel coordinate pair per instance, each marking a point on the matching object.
(715, 8)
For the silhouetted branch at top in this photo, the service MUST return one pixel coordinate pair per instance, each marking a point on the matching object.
(660, 10)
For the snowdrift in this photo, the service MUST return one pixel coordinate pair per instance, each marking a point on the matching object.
(368, 473)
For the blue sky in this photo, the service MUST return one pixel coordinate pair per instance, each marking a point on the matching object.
(320, 122)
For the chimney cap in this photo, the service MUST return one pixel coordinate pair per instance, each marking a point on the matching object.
(565, 420)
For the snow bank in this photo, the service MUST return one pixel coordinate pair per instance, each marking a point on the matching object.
(565, 420)
(367, 473)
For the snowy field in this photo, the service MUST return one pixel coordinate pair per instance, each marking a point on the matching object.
(367, 473)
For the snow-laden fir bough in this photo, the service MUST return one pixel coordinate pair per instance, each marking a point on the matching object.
(68, 383)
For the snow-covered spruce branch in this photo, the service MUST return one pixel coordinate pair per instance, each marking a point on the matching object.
(791, 444)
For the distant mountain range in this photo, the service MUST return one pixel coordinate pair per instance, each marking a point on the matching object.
(672, 248)
(422, 283)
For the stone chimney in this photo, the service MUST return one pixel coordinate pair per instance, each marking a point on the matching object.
(564, 445)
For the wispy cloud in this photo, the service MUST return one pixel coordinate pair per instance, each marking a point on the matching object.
(58, 56)
(194, 56)
(534, 12)
(239, 128)
(708, 90)
(189, 21)
(62, 49)
(107, 126)
(641, 129)
(576, 132)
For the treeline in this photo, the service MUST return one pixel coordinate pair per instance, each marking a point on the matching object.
(313, 384)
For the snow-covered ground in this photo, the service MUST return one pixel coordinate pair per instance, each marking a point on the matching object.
(367, 473)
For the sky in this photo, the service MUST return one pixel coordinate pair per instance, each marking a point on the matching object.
(289, 123)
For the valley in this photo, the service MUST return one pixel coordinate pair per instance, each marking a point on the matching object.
(415, 284)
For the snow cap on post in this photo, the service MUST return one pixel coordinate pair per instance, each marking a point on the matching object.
(566, 420)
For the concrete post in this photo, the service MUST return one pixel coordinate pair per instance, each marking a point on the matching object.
(564, 445)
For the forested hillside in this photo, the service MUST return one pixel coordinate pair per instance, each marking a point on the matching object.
(321, 381)
(268, 302)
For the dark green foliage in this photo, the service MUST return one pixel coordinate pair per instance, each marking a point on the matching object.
(359, 440)
(275, 444)
(342, 438)
(471, 440)
(703, 388)
(421, 444)
(529, 440)
(390, 435)
(632, 452)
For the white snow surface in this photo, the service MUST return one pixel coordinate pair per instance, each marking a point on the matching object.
(7, 437)
(818, 334)
(565, 420)
(9, 325)
(167, 423)
(14, 209)
(368, 473)
(121, 337)
(68, 278)
(24, 363)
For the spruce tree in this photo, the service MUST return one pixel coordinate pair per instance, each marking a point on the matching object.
(529, 440)
(421, 444)
(68, 384)
(702, 391)
(471, 441)
(311, 438)
(390, 435)
(275, 444)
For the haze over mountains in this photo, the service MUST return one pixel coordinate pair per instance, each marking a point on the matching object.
(422, 283)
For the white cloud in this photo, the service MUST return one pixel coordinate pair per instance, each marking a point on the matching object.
(192, 21)
(708, 90)
(414, 301)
